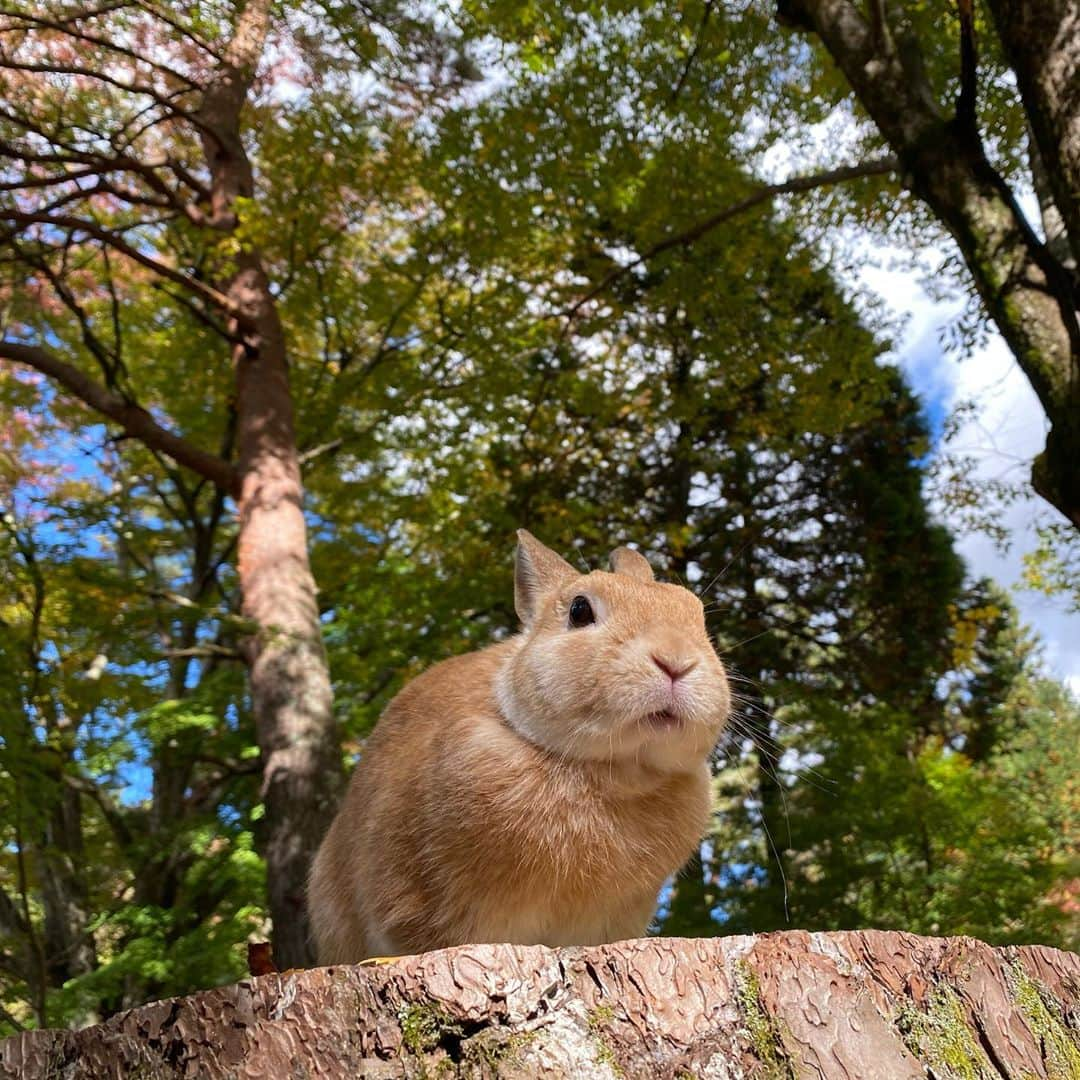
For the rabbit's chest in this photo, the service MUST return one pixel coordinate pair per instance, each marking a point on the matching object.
(580, 844)
(600, 839)
(535, 849)
(587, 869)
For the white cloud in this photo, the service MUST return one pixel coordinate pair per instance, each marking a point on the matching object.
(1006, 431)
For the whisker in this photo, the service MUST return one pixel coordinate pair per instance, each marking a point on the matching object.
(728, 565)
(746, 641)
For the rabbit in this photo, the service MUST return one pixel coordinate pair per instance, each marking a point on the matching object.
(540, 790)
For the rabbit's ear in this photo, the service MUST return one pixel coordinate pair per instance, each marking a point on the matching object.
(627, 561)
(536, 570)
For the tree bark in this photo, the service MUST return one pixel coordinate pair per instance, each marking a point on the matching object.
(69, 946)
(1030, 295)
(290, 681)
(864, 1005)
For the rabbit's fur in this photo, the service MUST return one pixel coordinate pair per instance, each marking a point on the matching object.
(540, 790)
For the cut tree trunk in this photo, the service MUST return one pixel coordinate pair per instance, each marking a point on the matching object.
(870, 1004)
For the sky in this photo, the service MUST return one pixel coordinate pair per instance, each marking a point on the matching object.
(1003, 435)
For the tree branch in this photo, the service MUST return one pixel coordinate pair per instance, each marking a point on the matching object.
(90, 228)
(108, 363)
(97, 165)
(1042, 45)
(308, 456)
(112, 814)
(135, 420)
(965, 102)
(204, 317)
(797, 184)
(693, 53)
(164, 101)
(69, 27)
(154, 9)
(204, 652)
(1028, 293)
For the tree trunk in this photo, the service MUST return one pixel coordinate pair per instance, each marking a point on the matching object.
(290, 681)
(863, 1005)
(69, 946)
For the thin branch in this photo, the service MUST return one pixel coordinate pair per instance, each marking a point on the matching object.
(112, 813)
(135, 420)
(883, 42)
(90, 228)
(107, 363)
(242, 624)
(877, 167)
(110, 44)
(693, 54)
(76, 71)
(92, 13)
(132, 198)
(242, 767)
(97, 164)
(152, 9)
(185, 176)
(183, 520)
(379, 684)
(965, 101)
(114, 304)
(204, 652)
(204, 317)
(16, 1024)
(29, 184)
(317, 451)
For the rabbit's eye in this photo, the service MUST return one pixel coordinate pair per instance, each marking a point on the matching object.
(581, 612)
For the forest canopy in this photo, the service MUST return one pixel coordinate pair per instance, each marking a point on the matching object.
(306, 307)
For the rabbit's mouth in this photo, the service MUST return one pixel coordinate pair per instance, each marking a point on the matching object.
(665, 719)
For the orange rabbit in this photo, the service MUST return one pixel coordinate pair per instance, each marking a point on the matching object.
(539, 790)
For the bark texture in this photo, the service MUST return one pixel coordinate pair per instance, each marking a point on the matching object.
(864, 1005)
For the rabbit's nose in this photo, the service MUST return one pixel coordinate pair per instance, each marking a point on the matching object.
(673, 669)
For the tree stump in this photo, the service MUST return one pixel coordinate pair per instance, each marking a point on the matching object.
(867, 1004)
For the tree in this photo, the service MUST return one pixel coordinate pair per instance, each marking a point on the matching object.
(929, 809)
(901, 69)
(954, 126)
(792, 1004)
(143, 149)
(153, 144)
(126, 785)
